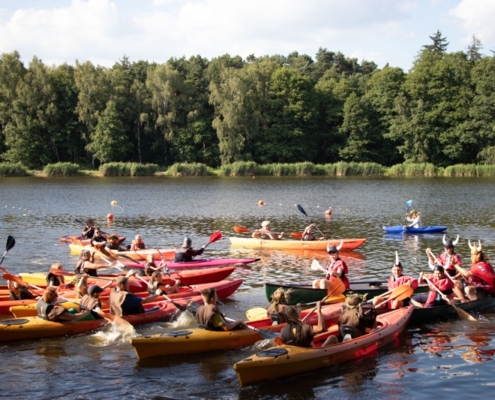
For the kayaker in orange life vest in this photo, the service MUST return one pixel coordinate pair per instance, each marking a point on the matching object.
(209, 315)
(48, 309)
(336, 268)
(433, 299)
(137, 243)
(186, 252)
(123, 302)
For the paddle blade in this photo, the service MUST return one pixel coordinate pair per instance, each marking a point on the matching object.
(240, 229)
(214, 237)
(10, 243)
(464, 314)
(402, 292)
(296, 235)
(299, 207)
(336, 287)
(10, 277)
(79, 221)
(256, 313)
(316, 266)
(61, 272)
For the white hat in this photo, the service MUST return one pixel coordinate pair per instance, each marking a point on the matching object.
(264, 224)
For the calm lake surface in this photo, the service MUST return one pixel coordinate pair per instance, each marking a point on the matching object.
(453, 358)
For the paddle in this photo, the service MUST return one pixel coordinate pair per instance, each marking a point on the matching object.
(215, 236)
(463, 314)
(399, 293)
(10, 243)
(316, 266)
(299, 207)
(240, 229)
(336, 287)
(408, 205)
(11, 277)
(296, 235)
(256, 313)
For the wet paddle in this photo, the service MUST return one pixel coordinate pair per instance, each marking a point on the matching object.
(300, 208)
(336, 287)
(316, 266)
(8, 246)
(399, 293)
(462, 314)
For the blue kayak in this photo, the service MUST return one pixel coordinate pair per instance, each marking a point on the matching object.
(424, 229)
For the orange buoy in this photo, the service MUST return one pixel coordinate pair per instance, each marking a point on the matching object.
(261, 203)
(110, 217)
(328, 212)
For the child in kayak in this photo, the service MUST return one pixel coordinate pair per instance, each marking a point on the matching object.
(48, 309)
(156, 283)
(414, 217)
(210, 316)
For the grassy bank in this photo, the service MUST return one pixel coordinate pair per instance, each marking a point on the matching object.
(249, 168)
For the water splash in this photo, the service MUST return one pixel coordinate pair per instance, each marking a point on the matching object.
(181, 320)
(115, 334)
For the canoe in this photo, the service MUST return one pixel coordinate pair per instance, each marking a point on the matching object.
(424, 229)
(196, 340)
(186, 276)
(285, 360)
(424, 315)
(223, 288)
(79, 240)
(199, 263)
(304, 293)
(35, 328)
(137, 255)
(349, 244)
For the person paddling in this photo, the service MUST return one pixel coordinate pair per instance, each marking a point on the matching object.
(86, 264)
(53, 278)
(18, 291)
(185, 252)
(277, 306)
(156, 283)
(266, 233)
(414, 219)
(50, 311)
(336, 268)
(137, 243)
(91, 301)
(210, 316)
(434, 299)
(89, 230)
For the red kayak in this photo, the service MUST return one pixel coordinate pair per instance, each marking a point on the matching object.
(199, 263)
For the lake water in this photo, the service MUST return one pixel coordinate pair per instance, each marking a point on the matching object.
(451, 358)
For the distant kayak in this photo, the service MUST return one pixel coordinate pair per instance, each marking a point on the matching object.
(424, 229)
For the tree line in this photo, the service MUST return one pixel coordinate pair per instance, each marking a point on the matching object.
(271, 109)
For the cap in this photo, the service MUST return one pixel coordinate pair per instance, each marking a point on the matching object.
(93, 289)
(264, 224)
(332, 249)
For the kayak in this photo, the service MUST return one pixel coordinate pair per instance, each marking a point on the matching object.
(304, 292)
(187, 277)
(79, 240)
(199, 263)
(348, 244)
(424, 229)
(137, 255)
(424, 315)
(285, 360)
(35, 328)
(223, 288)
(197, 340)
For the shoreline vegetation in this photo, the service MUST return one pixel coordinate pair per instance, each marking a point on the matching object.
(250, 168)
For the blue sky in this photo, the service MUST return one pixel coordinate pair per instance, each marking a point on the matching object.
(103, 31)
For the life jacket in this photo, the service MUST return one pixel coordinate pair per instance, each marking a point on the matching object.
(91, 302)
(49, 312)
(297, 335)
(205, 314)
(56, 280)
(120, 303)
(483, 274)
(81, 270)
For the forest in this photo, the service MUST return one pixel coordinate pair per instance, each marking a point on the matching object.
(270, 109)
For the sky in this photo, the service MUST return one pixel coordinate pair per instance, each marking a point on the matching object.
(104, 31)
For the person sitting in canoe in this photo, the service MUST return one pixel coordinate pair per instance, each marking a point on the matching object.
(54, 276)
(185, 252)
(298, 333)
(91, 300)
(449, 258)
(49, 311)
(86, 264)
(266, 233)
(210, 316)
(18, 291)
(155, 283)
(114, 243)
(414, 219)
(89, 230)
(277, 306)
(137, 243)
(394, 281)
(336, 268)
(480, 279)
(123, 302)
(308, 234)
(353, 320)
(434, 299)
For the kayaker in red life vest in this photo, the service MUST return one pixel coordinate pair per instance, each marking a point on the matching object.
(434, 299)
(48, 309)
(298, 333)
(186, 252)
(123, 302)
(394, 281)
(210, 316)
(480, 279)
(449, 258)
(137, 243)
(336, 268)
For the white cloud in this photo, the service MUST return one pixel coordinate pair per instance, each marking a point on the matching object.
(477, 18)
